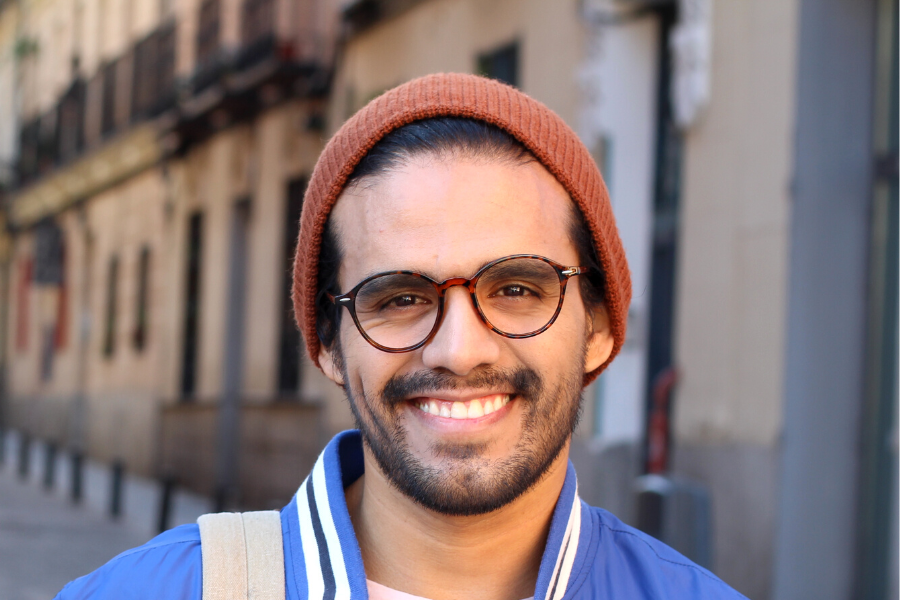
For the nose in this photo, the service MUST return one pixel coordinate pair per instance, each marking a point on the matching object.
(463, 341)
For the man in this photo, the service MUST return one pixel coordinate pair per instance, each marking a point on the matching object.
(460, 276)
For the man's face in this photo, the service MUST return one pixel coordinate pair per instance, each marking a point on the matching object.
(447, 218)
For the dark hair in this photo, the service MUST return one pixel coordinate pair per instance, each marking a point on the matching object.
(442, 137)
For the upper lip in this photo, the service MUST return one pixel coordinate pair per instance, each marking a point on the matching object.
(458, 397)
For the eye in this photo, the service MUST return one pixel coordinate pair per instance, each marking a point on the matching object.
(514, 290)
(404, 300)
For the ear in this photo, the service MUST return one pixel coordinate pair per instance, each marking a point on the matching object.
(600, 341)
(329, 365)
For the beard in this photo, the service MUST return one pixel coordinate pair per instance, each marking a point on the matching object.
(465, 481)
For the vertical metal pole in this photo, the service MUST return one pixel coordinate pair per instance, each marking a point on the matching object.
(77, 475)
(115, 488)
(229, 407)
(24, 455)
(49, 465)
(165, 503)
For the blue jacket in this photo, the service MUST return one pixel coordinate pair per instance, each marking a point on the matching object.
(589, 553)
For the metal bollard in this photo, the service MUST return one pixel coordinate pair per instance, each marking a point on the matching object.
(24, 455)
(165, 503)
(676, 511)
(49, 465)
(77, 475)
(115, 488)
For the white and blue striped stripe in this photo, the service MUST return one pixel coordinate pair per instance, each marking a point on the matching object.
(326, 572)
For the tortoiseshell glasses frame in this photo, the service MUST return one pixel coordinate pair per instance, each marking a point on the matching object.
(563, 272)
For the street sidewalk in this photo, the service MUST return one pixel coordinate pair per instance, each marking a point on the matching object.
(45, 541)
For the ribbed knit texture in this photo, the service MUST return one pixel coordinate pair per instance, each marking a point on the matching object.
(537, 127)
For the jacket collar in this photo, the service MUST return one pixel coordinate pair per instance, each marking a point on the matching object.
(324, 555)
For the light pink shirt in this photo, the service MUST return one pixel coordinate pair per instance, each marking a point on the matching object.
(380, 592)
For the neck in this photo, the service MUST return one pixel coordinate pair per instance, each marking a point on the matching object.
(495, 556)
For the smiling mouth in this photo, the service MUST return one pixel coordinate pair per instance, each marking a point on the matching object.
(471, 409)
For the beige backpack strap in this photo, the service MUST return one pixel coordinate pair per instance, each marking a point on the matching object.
(242, 556)
(265, 555)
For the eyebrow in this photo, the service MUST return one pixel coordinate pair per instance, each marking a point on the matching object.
(428, 274)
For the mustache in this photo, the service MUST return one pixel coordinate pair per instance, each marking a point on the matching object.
(521, 381)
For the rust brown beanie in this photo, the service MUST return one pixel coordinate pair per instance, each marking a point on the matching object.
(537, 127)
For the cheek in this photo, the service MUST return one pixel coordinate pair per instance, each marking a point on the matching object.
(366, 368)
(559, 351)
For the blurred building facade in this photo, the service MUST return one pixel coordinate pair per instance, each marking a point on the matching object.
(141, 127)
(160, 153)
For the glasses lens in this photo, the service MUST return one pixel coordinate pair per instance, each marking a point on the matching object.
(519, 296)
(398, 310)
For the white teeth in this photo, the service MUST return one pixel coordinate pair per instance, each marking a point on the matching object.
(459, 411)
(475, 409)
(472, 409)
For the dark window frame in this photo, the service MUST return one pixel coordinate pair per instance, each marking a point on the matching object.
(112, 297)
(141, 305)
(290, 376)
(192, 299)
(109, 87)
(502, 63)
(209, 32)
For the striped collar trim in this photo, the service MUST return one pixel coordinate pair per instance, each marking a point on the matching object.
(331, 560)
(558, 568)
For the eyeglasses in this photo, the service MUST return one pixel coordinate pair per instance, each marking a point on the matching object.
(516, 296)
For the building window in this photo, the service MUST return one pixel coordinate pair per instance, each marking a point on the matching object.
(22, 304)
(501, 64)
(153, 85)
(71, 121)
(50, 274)
(61, 330)
(29, 142)
(144, 84)
(289, 343)
(112, 284)
(258, 20)
(143, 284)
(208, 30)
(191, 306)
(165, 69)
(108, 118)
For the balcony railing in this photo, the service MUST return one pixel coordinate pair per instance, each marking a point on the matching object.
(138, 85)
(153, 88)
(141, 83)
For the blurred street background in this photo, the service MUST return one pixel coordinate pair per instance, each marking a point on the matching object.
(45, 541)
(153, 160)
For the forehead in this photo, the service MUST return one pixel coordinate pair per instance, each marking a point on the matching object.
(446, 217)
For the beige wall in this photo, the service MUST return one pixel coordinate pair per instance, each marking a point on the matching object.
(732, 269)
(122, 389)
(255, 160)
(448, 35)
(122, 221)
